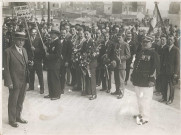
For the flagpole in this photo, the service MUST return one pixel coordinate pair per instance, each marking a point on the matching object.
(163, 26)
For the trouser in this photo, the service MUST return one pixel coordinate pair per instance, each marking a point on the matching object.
(73, 73)
(68, 80)
(62, 77)
(127, 74)
(128, 64)
(106, 82)
(167, 85)
(80, 78)
(119, 77)
(90, 82)
(98, 76)
(15, 101)
(158, 83)
(54, 86)
(38, 68)
(144, 97)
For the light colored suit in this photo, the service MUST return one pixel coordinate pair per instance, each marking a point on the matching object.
(16, 73)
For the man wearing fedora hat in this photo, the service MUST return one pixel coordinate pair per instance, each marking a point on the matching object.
(16, 77)
(143, 78)
(53, 65)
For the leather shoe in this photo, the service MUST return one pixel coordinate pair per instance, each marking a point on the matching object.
(47, 96)
(115, 93)
(120, 96)
(41, 91)
(169, 102)
(55, 98)
(21, 121)
(162, 100)
(93, 97)
(14, 124)
(108, 91)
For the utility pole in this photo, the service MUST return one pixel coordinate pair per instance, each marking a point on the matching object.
(12, 7)
(48, 13)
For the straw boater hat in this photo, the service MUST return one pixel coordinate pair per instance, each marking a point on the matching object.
(20, 35)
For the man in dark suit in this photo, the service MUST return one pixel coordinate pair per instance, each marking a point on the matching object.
(105, 57)
(171, 69)
(79, 75)
(35, 55)
(160, 50)
(91, 69)
(66, 55)
(72, 66)
(54, 61)
(68, 38)
(16, 78)
(122, 54)
(99, 38)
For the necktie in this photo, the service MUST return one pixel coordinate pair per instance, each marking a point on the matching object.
(20, 51)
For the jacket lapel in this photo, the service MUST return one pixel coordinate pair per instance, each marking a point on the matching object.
(17, 55)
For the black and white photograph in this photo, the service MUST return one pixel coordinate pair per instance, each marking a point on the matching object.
(90, 67)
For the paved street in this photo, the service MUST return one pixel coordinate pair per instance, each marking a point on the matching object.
(74, 114)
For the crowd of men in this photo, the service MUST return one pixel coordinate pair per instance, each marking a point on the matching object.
(86, 56)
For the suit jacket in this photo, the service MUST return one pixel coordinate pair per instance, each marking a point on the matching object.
(106, 48)
(145, 65)
(66, 51)
(160, 52)
(122, 54)
(54, 59)
(38, 52)
(171, 61)
(93, 63)
(15, 67)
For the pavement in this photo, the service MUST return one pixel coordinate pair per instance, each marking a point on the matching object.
(74, 114)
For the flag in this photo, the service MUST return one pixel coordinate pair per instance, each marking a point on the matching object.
(156, 21)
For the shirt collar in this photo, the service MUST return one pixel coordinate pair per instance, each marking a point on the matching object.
(163, 45)
(18, 48)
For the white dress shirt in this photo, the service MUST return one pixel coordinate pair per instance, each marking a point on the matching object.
(19, 50)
